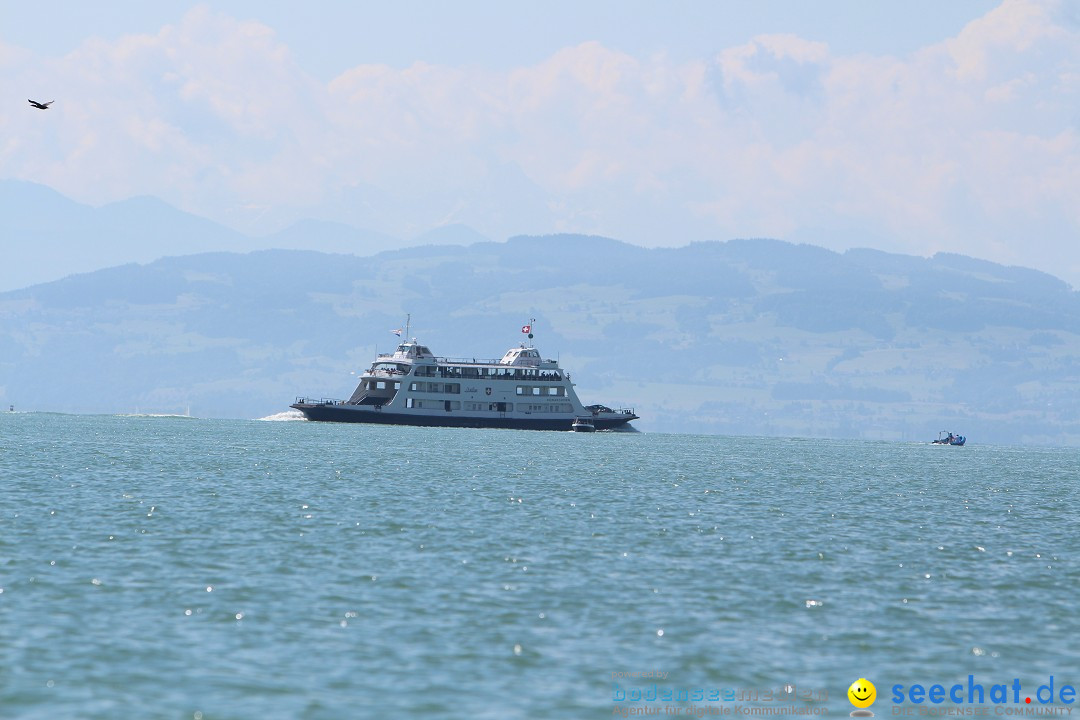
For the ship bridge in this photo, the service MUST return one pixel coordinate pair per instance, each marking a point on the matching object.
(525, 357)
(410, 350)
(399, 361)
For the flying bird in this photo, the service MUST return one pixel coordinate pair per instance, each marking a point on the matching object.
(40, 106)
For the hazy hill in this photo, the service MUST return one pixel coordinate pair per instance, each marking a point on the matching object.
(748, 336)
(332, 237)
(46, 236)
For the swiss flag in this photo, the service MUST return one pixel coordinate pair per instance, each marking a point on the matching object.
(526, 329)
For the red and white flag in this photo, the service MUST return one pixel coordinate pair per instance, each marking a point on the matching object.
(397, 332)
(526, 329)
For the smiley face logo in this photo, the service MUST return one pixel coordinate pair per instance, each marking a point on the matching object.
(862, 693)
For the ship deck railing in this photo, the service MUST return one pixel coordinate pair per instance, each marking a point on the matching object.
(528, 362)
(618, 411)
(473, 361)
(301, 400)
(505, 372)
(515, 373)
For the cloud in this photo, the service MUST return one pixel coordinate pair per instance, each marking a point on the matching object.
(1009, 32)
(969, 145)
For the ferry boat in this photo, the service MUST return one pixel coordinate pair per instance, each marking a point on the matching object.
(412, 386)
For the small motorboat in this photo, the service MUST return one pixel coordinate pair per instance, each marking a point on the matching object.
(583, 424)
(947, 438)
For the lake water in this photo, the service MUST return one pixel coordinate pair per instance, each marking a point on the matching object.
(180, 568)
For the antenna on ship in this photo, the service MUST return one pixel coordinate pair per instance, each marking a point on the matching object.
(408, 319)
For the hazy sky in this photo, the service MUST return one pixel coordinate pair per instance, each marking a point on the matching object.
(911, 127)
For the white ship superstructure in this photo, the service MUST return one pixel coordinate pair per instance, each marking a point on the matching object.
(411, 386)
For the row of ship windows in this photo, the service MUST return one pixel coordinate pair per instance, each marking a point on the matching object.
(550, 390)
(434, 387)
(451, 405)
(455, 389)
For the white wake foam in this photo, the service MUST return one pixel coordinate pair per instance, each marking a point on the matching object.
(288, 415)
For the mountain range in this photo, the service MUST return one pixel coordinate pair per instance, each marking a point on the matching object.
(48, 236)
(751, 336)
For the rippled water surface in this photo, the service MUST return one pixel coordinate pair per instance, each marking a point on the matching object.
(181, 568)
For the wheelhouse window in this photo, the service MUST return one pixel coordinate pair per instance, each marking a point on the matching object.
(434, 387)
